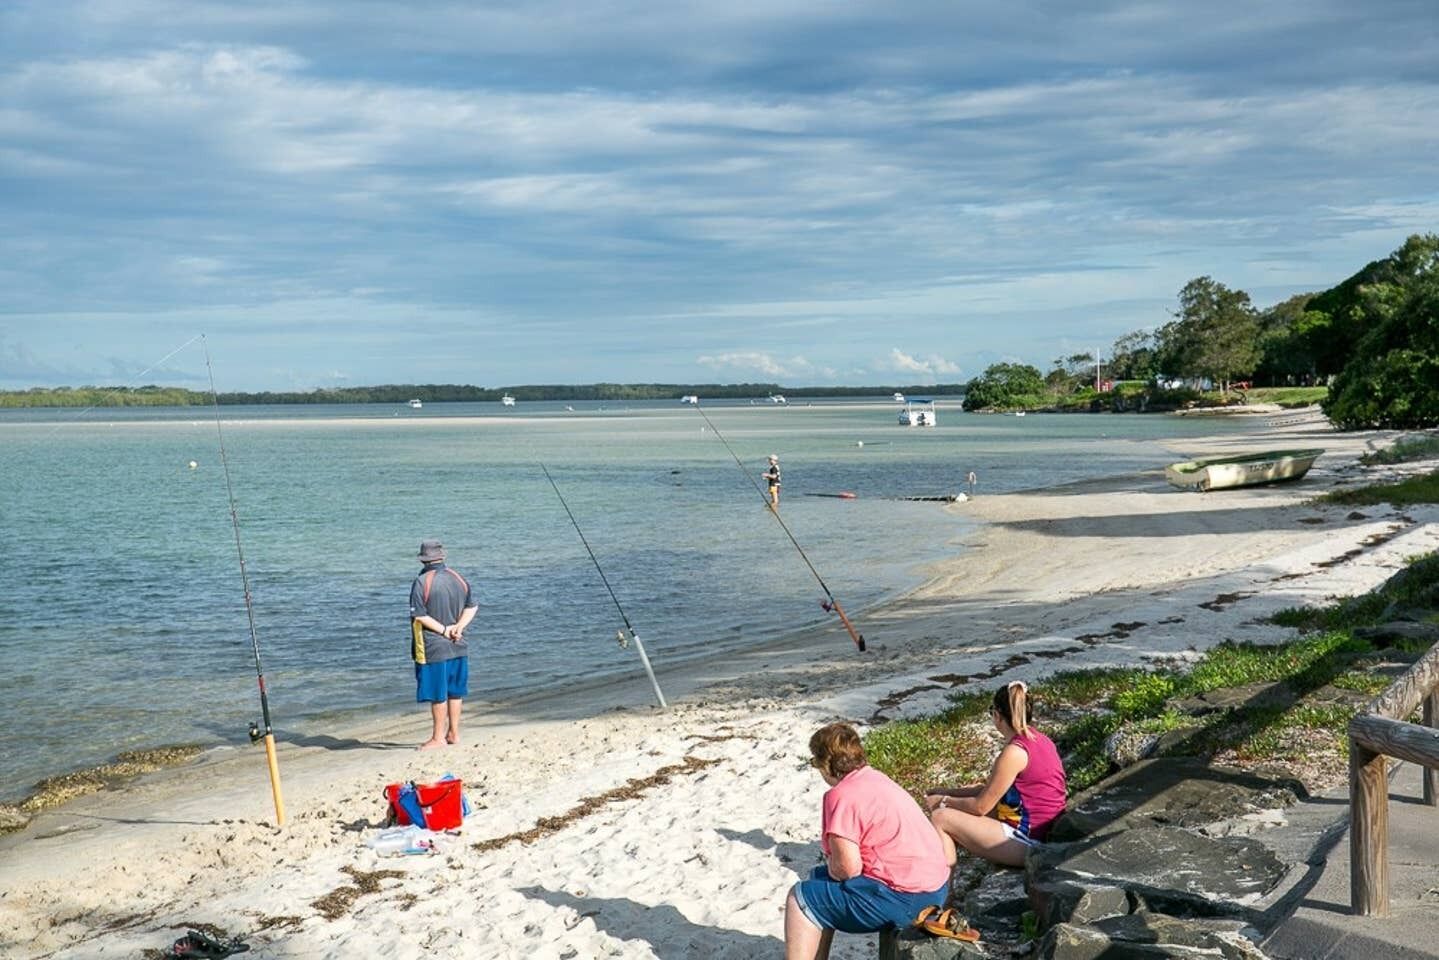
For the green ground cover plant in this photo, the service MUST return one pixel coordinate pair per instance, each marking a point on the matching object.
(1404, 450)
(1304, 693)
(1414, 490)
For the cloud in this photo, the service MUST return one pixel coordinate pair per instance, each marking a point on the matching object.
(929, 369)
(757, 362)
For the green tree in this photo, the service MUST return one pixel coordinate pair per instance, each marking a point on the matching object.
(1345, 313)
(1132, 357)
(1215, 334)
(1392, 380)
(1004, 386)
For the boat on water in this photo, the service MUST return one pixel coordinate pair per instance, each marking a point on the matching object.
(507, 400)
(898, 397)
(918, 413)
(415, 404)
(777, 398)
(689, 398)
(1244, 470)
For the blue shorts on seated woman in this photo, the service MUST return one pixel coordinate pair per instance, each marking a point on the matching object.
(859, 904)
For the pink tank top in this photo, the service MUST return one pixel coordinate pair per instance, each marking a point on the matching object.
(1037, 797)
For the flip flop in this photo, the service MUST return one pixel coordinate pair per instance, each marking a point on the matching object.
(197, 944)
(949, 924)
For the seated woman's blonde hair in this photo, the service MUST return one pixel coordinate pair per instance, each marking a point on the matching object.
(836, 750)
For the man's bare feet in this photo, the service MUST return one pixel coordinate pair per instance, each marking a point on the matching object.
(452, 738)
(431, 745)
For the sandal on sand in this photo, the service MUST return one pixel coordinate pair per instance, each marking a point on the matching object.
(197, 944)
(949, 924)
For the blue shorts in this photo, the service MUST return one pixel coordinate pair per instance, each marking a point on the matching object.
(446, 680)
(859, 904)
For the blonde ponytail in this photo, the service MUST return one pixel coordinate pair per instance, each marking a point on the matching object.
(1011, 702)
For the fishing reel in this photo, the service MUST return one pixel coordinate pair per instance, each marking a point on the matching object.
(255, 735)
(622, 639)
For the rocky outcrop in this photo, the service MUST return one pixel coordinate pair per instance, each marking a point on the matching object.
(1148, 864)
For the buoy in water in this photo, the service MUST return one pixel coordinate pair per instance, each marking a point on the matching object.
(859, 443)
(193, 464)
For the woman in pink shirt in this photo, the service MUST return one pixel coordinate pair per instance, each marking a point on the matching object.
(1010, 812)
(883, 862)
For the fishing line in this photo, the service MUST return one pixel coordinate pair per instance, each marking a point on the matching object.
(639, 645)
(130, 383)
(255, 734)
(833, 604)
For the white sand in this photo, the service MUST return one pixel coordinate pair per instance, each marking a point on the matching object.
(697, 867)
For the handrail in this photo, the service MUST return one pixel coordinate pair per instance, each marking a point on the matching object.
(1380, 732)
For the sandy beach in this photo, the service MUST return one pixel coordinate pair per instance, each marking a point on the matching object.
(676, 833)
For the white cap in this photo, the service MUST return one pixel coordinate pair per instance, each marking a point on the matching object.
(774, 457)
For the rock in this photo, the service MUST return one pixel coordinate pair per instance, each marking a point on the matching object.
(1249, 696)
(1400, 630)
(1182, 791)
(1223, 935)
(914, 944)
(997, 906)
(1147, 936)
(1067, 942)
(1057, 901)
(1124, 746)
(1168, 869)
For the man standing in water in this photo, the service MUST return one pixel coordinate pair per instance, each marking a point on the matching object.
(440, 610)
(771, 477)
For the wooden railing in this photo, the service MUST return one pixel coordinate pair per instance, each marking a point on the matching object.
(1382, 731)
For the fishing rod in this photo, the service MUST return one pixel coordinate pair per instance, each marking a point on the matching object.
(255, 734)
(833, 603)
(639, 645)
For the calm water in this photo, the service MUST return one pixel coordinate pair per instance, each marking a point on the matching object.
(122, 622)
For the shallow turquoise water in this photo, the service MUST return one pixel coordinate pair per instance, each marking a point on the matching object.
(122, 622)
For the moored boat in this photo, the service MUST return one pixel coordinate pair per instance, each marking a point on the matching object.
(1243, 470)
(507, 400)
(918, 413)
(416, 404)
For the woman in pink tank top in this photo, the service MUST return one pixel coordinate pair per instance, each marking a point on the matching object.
(1010, 812)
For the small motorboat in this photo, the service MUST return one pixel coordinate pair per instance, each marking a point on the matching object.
(507, 400)
(1243, 470)
(918, 413)
(689, 398)
(415, 404)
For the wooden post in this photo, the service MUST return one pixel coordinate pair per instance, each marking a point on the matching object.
(1368, 832)
(1431, 775)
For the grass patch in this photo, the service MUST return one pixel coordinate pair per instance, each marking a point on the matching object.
(1289, 721)
(1414, 490)
(1287, 396)
(1404, 450)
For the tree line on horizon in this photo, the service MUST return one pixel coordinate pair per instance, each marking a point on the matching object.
(1372, 340)
(152, 395)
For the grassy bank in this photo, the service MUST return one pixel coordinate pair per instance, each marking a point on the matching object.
(1283, 707)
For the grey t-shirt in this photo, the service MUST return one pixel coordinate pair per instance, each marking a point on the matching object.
(441, 593)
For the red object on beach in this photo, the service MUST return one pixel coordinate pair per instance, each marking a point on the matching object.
(442, 804)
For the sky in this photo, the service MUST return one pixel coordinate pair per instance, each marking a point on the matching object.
(353, 192)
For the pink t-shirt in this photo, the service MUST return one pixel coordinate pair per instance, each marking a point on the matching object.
(897, 845)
